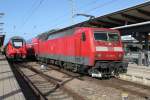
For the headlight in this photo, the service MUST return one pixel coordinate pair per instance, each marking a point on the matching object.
(98, 55)
(120, 55)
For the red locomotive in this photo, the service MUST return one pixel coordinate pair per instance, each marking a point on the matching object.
(96, 51)
(16, 48)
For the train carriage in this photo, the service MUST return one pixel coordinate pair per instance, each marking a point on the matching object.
(16, 48)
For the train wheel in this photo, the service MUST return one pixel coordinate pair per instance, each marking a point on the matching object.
(75, 68)
(65, 65)
(82, 69)
(60, 64)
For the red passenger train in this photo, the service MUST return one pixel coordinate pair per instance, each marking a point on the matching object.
(16, 48)
(96, 51)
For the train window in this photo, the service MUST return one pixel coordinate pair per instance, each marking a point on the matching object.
(113, 36)
(49, 37)
(83, 36)
(17, 43)
(100, 36)
(106, 36)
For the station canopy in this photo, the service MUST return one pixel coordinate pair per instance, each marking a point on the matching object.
(138, 15)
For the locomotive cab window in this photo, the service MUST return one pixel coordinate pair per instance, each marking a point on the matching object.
(83, 37)
(17, 43)
(113, 36)
(106, 36)
(100, 36)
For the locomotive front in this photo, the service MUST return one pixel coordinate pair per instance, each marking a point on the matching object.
(108, 54)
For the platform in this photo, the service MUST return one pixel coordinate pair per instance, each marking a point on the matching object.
(9, 88)
(138, 74)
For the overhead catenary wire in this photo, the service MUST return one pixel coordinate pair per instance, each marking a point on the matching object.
(31, 14)
(89, 3)
(92, 9)
(58, 18)
(100, 6)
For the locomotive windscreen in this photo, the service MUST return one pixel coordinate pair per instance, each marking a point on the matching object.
(106, 36)
(17, 42)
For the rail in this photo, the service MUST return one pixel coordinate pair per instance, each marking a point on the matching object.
(36, 91)
(57, 84)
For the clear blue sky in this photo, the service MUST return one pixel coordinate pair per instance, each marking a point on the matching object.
(27, 18)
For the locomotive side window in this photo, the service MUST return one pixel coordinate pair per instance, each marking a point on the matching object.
(83, 36)
(100, 36)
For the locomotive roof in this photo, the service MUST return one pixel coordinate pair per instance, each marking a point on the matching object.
(17, 37)
(44, 36)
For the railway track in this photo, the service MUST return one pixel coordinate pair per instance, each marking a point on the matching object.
(125, 86)
(59, 84)
(46, 87)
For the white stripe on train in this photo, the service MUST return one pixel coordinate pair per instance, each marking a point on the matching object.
(101, 48)
(104, 48)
